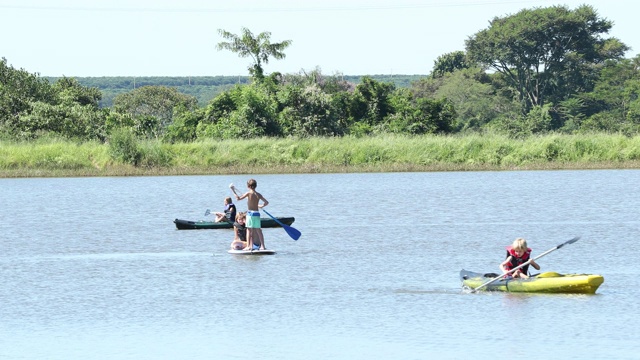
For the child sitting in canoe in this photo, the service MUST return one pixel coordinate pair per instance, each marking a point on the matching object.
(229, 213)
(517, 254)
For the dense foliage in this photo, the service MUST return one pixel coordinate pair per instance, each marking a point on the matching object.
(538, 71)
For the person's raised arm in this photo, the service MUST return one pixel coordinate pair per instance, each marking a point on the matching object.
(238, 197)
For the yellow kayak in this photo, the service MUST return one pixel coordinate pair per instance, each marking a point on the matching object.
(546, 282)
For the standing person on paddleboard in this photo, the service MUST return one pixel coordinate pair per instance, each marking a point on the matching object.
(254, 230)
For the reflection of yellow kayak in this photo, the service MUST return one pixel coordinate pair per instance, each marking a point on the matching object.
(547, 282)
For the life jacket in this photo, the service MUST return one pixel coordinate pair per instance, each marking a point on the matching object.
(517, 261)
(230, 212)
(242, 231)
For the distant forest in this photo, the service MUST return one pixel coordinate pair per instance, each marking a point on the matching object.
(203, 88)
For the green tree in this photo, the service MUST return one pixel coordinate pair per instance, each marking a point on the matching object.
(18, 89)
(244, 112)
(259, 48)
(71, 91)
(152, 108)
(416, 116)
(613, 103)
(307, 111)
(449, 63)
(184, 125)
(30, 107)
(312, 104)
(371, 101)
(476, 102)
(545, 52)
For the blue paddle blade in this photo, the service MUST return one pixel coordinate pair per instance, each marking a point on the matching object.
(293, 233)
(207, 212)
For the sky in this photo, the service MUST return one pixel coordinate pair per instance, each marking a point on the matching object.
(93, 38)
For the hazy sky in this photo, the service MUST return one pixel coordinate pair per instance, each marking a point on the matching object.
(178, 38)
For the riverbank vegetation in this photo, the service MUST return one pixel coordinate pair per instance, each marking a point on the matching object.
(565, 94)
(128, 156)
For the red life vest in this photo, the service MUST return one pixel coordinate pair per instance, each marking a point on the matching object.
(518, 260)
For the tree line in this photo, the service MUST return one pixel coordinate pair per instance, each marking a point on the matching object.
(537, 71)
(203, 88)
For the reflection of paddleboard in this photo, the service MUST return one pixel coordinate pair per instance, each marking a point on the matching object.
(252, 252)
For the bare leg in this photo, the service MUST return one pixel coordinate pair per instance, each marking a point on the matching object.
(249, 239)
(261, 237)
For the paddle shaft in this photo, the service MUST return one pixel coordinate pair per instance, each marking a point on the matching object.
(526, 263)
(275, 219)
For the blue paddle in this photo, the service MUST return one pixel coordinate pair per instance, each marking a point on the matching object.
(294, 233)
(207, 212)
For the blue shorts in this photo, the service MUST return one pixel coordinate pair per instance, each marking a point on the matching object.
(253, 219)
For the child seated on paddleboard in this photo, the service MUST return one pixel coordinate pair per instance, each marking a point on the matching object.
(240, 233)
(517, 254)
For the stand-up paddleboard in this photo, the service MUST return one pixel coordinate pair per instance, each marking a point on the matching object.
(252, 252)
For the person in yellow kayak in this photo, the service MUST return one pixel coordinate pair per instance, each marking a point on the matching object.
(517, 254)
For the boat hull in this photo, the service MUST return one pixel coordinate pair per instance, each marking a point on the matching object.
(200, 225)
(548, 282)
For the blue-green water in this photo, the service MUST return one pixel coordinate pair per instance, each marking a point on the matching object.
(93, 268)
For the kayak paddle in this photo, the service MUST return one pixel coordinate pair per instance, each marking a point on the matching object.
(526, 263)
(206, 213)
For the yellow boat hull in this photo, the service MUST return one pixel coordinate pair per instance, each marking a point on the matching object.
(549, 282)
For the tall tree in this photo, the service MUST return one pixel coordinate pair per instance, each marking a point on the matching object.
(152, 108)
(259, 48)
(449, 63)
(18, 89)
(545, 53)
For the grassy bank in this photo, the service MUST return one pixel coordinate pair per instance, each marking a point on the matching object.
(372, 154)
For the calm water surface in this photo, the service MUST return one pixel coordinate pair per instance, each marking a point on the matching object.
(93, 268)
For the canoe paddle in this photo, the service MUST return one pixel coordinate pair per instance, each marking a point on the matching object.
(292, 232)
(526, 263)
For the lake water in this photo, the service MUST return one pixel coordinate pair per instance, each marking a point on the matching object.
(94, 268)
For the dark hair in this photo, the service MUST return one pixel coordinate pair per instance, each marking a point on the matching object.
(252, 183)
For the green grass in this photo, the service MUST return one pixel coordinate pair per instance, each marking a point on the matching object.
(345, 154)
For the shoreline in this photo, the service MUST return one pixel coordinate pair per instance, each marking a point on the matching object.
(60, 158)
(124, 170)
